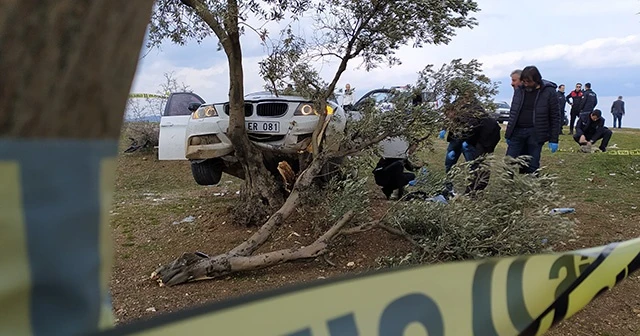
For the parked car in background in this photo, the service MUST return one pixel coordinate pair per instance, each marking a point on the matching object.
(502, 111)
(382, 98)
(282, 125)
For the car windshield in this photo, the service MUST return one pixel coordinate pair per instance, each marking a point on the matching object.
(380, 97)
(502, 105)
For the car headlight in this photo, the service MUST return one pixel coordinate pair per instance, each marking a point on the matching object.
(306, 109)
(204, 112)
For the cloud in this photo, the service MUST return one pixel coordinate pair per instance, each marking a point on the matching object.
(612, 52)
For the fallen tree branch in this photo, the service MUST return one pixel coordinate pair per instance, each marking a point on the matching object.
(378, 224)
(249, 246)
(193, 267)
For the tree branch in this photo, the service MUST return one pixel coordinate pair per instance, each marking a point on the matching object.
(205, 14)
(358, 149)
(377, 224)
(193, 267)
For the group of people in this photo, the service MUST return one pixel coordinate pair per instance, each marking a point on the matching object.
(536, 118)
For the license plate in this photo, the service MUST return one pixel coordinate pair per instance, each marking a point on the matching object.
(263, 126)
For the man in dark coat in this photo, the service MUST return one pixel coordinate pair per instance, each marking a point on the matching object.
(590, 99)
(534, 119)
(591, 128)
(574, 99)
(562, 101)
(475, 133)
(617, 109)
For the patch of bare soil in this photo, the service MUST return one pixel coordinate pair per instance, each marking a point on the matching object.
(136, 297)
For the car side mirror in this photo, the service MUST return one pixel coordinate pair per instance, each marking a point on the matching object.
(194, 106)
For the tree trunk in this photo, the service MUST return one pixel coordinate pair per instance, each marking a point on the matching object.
(66, 68)
(261, 194)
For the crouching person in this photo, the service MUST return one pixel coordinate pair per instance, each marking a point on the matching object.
(485, 137)
(477, 135)
(590, 129)
(390, 175)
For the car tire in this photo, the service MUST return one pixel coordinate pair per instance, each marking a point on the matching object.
(207, 172)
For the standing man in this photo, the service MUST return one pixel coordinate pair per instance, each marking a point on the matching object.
(590, 99)
(515, 78)
(347, 99)
(574, 99)
(533, 118)
(562, 101)
(617, 109)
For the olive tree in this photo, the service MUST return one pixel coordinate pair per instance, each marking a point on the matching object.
(367, 31)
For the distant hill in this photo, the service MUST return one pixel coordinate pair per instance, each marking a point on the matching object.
(153, 118)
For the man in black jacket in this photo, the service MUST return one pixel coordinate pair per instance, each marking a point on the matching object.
(534, 119)
(591, 128)
(590, 99)
(575, 99)
(474, 134)
(562, 101)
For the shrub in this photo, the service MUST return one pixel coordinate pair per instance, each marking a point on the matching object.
(510, 217)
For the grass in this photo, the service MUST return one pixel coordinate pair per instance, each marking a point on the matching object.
(151, 195)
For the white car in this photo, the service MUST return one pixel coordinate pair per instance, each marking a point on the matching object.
(283, 125)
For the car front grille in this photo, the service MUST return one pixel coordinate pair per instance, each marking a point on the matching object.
(248, 109)
(272, 109)
(265, 137)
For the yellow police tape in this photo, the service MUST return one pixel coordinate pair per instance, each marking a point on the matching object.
(522, 295)
(146, 95)
(633, 152)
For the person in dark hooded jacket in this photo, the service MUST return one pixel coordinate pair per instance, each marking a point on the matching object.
(475, 134)
(589, 101)
(534, 119)
(591, 128)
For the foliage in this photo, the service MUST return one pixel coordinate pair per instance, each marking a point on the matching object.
(511, 217)
(459, 87)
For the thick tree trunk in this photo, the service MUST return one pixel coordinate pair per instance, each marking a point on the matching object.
(261, 194)
(66, 68)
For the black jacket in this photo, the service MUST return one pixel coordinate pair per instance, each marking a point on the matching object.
(562, 101)
(617, 108)
(589, 101)
(546, 116)
(479, 129)
(589, 128)
(575, 99)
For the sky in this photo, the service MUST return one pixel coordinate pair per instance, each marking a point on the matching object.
(569, 41)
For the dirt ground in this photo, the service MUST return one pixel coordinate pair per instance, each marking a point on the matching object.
(148, 232)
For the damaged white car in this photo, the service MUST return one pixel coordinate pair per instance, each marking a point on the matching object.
(282, 125)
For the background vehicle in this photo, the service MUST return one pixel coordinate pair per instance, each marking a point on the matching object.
(173, 124)
(502, 111)
(281, 125)
(392, 147)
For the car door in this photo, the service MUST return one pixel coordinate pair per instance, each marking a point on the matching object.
(173, 124)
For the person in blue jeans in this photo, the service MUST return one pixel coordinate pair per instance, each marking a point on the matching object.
(475, 134)
(533, 120)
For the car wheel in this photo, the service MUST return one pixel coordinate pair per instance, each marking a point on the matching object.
(207, 172)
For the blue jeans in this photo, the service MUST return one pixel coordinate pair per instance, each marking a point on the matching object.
(617, 117)
(456, 147)
(523, 142)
